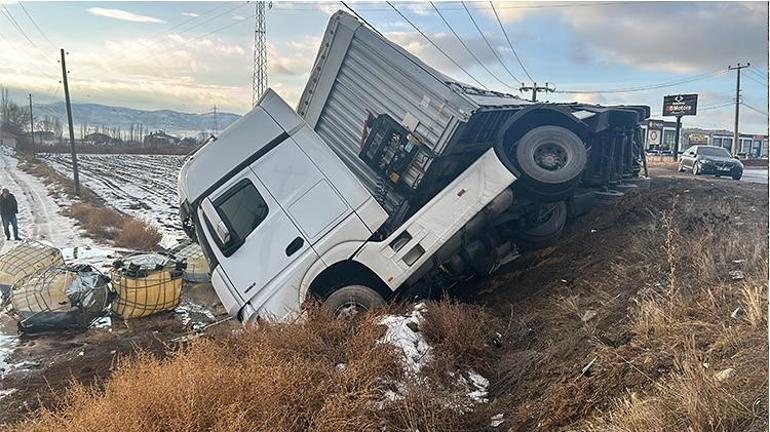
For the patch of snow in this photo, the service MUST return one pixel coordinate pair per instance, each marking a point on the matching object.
(480, 385)
(187, 310)
(403, 332)
(142, 186)
(7, 344)
(411, 343)
(104, 322)
(38, 217)
(6, 392)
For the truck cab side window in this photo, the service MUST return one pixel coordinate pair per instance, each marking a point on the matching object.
(242, 209)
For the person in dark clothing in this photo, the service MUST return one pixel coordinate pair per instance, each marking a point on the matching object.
(8, 209)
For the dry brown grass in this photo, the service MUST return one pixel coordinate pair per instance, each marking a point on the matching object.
(685, 331)
(318, 374)
(109, 224)
(139, 235)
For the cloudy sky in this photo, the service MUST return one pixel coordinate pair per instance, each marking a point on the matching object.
(189, 56)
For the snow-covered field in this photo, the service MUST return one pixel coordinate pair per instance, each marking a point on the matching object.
(143, 186)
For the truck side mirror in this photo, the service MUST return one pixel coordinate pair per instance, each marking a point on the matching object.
(222, 232)
(220, 228)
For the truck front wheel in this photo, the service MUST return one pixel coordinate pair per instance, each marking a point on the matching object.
(353, 299)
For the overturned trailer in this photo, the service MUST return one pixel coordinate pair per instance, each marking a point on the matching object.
(407, 130)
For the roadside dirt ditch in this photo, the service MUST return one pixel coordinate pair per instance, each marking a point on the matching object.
(650, 315)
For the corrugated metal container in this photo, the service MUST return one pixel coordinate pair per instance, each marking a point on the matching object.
(357, 73)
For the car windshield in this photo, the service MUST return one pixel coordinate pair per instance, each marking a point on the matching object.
(713, 151)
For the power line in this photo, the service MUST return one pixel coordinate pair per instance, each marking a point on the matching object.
(436, 46)
(756, 80)
(754, 108)
(515, 54)
(39, 30)
(311, 5)
(718, 72)
(363, 20)
(13, 21)
(713, 107)
(487, 42)
(468, 49)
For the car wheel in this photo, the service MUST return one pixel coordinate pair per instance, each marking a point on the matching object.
(681, 167)
(736, 175)
(695, 168)
(545, 226)
(353, 299)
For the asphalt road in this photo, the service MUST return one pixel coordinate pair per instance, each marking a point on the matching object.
(755, 176)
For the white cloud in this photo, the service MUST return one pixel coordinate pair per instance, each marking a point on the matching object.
(190, 14)
(123, 15)
(675, 37)
(239, 17)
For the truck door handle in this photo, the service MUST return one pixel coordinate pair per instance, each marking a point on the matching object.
(294, 246)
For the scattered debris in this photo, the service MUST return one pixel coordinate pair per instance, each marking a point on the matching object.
(23, 260)
(496, 420)
(593, 231)
(736, 313)
(60, 298)
(587, 368)
(196, 267)
(588, 315)
(146, 284)
(725, 375)
(736, 275)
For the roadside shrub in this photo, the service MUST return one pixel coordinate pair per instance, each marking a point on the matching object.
(109, 224)
(139, 235)
(99, 222)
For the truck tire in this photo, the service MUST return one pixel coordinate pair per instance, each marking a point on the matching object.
(352, 299)
(607, 198)
(549, 227)
(550, 159)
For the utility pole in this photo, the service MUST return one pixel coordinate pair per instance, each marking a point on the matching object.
(75, 176)
(216, 124)
(736, 134)
(534, 89)
(259, 66)
(31, 124)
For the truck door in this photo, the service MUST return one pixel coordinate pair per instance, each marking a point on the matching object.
(257, 238)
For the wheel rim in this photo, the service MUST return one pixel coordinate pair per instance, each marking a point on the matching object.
(543, 215)
(550, 156)
(350, 310)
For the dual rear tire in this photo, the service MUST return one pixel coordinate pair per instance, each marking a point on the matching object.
(550, 160)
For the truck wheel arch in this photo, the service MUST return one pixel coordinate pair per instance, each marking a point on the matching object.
(344, 273)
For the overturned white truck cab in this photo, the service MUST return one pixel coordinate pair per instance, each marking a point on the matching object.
(391, 179)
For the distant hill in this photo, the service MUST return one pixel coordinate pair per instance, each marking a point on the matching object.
(173, 122)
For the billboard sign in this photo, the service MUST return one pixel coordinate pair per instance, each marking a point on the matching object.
(680, 105)
(656, 124)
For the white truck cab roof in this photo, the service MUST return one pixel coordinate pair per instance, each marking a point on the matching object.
(269, 123)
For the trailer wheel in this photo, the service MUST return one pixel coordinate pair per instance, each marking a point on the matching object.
(545, 226)
(551, 155)
(352, 300)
